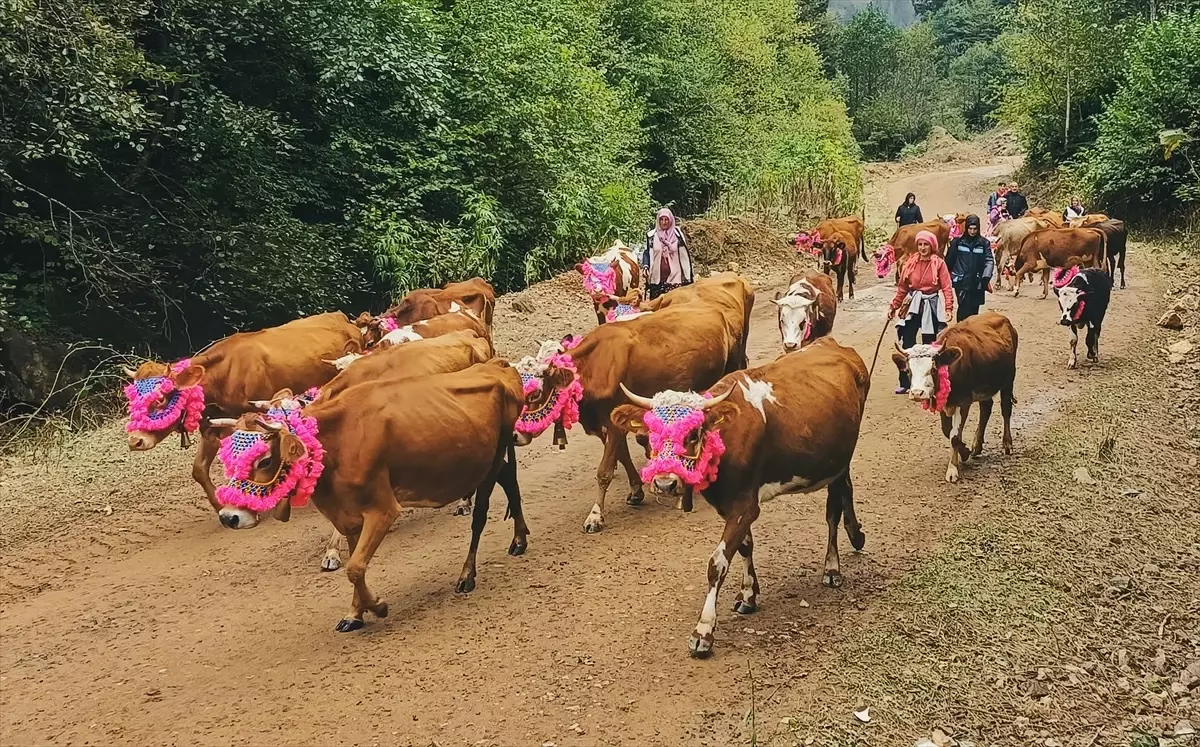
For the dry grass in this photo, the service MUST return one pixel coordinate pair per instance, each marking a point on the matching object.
(1069, 613)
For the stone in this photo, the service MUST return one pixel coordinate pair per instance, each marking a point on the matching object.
(1182, 347)
(1171, 320)
(1083, 477)
(523, 303)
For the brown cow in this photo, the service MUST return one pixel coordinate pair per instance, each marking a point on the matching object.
(614, 274)
(1060, 248)
(841, 255)
(1117, 240)
(813, 241)
(461, 319)
(686, 345)
(475, 294)
(806, 310)
(787, 427)
(904, 242)
(726, 291)
(1091, 219)
(969, 362)
(225, 378)
(387, 445)
(1009, 235)
(1054, 218)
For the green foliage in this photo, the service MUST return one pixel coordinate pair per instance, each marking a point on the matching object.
(960, 25)
(1148, 144)
(173, 171)
(978, 78)
(868, 49)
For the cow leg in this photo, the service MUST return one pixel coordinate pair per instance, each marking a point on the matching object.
(1093, 343)
(363, 545)
(850, 519)
(604, 476)
(838, 495)
(464, 506)
(1073, 361)
(850, 271)
(202, 465)
(958, 450)
(508, 480)
(483, 496)
(841, 278)
(1026, 268)
(686, 500)
(333, 556)
(747, 599)
(1045, 283)
(985, 414)
(737, 529)
(1006, 405)
(637, 493)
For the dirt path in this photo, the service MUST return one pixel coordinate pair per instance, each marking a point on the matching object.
(155, 626)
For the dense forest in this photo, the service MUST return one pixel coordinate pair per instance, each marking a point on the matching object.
(173, 170)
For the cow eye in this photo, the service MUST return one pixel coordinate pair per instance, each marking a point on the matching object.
(266, 462)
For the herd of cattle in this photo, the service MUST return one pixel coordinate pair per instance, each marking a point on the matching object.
(411, 408)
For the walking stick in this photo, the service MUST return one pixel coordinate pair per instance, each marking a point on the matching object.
(875, 360)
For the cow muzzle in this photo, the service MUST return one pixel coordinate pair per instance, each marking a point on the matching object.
(522, 439)
(789, 346)
(667, 484)
(142, 441)
(237, 518)
(1065, 321)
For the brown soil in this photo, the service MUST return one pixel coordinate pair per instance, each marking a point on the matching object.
(153, 625)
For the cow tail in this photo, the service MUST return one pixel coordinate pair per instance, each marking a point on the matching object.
(1104, 263)
(511, 456)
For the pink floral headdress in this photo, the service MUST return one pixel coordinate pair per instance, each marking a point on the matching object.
(669, 426)
(941, 385)
(1065, 275)
(620, 310)
(562, 406)
(955, 229)
(295, 481)
(599, 277)
(885, 259)
(181, 406)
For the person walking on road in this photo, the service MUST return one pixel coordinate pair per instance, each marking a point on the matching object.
(1017, 204)
(971, 264)
(924, 299)
(666, 259)
(909, 211)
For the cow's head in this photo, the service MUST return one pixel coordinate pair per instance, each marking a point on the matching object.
(271, 464)
(885, 259)
(374, 328)
(929, 367)
(163, 399)
(957, 222)
(599, 276)
(808, 242)
(552, 392)
(616, 307)
(684, 433)
(798, 310)
(1070, 286)
(833, 251)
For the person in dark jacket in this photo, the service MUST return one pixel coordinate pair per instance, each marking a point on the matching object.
(971, 264)
(909, 212)
(1017, 204)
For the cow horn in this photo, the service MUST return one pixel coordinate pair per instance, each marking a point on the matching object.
(717, 399)
(128, 371)
(270, 425)
(636, 399)
(223, 422)
(261, 404)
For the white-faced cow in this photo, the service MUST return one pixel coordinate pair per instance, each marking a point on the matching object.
(806, 310)
(609, 276)
(378, 447)
(787, 427)
(1083, 297)
(970, 362)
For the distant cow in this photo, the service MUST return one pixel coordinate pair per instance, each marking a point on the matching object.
(1059, 248)
(224, 379)
(1083, 297)
(379, 447)
(1009, 235)
(611, 275)
(806, 310)
(475, 294)
(380, 334)
(970, 362)
(1091, 219)
(904, 241)
(1114, 231)
(813, 241)
(840, 253)
(787, 427)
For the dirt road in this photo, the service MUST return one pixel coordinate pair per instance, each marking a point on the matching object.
(153, 625)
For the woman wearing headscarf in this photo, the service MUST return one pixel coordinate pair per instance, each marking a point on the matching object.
(971, 263)
(924, 299)
(909, 211)
(666, 260)
(1075, 209)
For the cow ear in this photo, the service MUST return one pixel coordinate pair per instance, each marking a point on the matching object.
(720, 414)
(900, 351)
(629, 418)
(559, 378)
(352, 346)
(901, 360)
(291, 449)
(947, 356)
(363, 319)
(190, 376)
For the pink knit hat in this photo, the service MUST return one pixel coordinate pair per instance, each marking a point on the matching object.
(927, 236)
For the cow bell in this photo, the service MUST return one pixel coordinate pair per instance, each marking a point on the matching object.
(185, 439)
(560, 435)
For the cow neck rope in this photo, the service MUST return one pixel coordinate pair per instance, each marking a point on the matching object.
(182, 408)
(241, 450)
(562, 405)
(669, 426)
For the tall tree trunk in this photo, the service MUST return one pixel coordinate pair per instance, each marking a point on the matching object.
(1067, 117)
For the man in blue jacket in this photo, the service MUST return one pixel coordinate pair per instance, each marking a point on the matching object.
(971, 263)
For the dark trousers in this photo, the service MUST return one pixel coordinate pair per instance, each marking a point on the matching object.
(654, 290)
(908, 334)
(968, 303)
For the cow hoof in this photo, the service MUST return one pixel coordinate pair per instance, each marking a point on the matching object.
(743, 607)
(1008, 447)
(594, 522)
(331, 562)
(517, 547)
(952, 474)
(858, 539)
(635, 499)
(701, 648)
(976, 451)
(1072, 364)
(462, 510)
(348, 625)
(465, 586)
(832, 579)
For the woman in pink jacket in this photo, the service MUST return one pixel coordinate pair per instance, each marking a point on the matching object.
(924, 299)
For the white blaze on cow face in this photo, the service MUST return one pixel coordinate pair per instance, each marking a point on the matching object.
(1068, 299)
(793, 319)
(923, 368)
(454, 307)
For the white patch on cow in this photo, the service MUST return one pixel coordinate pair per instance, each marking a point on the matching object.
(1068, 297)
(1073, 361)
(454, 307)
(634, 315)
(708, 615)
(770, 490)
(670, 397)
(402, 335)
(921, 365)
(344, 362)
(595, 520)
(793, 319)
(951, 474)
(757, 393)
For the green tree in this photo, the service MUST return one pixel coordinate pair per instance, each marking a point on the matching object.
(867, 53)
(977, 81)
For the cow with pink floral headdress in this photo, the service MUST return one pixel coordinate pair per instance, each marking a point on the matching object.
(791, 426)
(903, 242)
(610, 279)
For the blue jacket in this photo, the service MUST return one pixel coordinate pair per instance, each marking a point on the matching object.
(971, 263)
